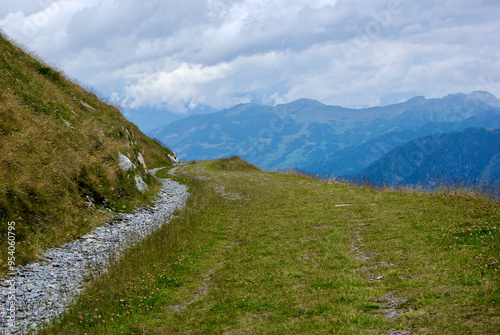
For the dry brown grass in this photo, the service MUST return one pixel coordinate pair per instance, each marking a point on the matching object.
(59, 148)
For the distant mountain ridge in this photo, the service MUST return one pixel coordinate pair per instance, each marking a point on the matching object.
(329, 140)
(354, 158)
(471, 155)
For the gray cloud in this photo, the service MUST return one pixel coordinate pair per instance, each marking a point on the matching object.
(176, 55)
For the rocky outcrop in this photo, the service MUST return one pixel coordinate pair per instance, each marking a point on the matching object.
(141, 161)
(140, 184)
(127, 165)
(125, 162)
(173, 158)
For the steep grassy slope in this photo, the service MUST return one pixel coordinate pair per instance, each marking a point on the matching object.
(59, 145)
(267, 253)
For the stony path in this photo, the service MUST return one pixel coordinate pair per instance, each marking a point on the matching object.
(44, 289)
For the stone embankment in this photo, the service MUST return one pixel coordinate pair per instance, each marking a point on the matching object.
(43, 290)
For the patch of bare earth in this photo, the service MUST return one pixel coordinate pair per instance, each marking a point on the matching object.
(200, 292)
(389, 304)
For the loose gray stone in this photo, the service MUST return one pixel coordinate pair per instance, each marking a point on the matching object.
(140, 184)
(44, 289)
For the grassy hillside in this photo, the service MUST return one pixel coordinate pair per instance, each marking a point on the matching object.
(59, 145)
(267, 253)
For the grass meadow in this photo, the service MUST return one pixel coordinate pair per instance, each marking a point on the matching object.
(281, 253)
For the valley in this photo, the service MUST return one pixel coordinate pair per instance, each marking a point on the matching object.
(337, 142)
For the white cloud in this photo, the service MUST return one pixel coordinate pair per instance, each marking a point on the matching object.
(186, 85)
(177, 54)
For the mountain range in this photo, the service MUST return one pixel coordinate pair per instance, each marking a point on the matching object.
(460, 157)
(326, 140)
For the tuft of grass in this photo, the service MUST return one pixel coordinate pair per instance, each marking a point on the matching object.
(59, 173)
(297, 255)
(234, 164)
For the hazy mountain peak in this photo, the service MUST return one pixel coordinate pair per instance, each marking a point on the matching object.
(419, 98)
(298, 104)
(241, 108)
(308, 134)
(454, 97)
(482, 96)
(485, 97)
(306, 102)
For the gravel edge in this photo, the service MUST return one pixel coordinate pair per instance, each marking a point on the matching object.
(43, 290)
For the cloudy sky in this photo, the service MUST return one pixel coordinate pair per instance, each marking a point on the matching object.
(152, 56)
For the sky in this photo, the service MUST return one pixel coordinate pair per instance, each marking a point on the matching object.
(165, 59)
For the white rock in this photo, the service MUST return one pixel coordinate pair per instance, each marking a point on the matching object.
(140, 184)
(86, 105)
(141, 161)
(173, 158)
(125, 162)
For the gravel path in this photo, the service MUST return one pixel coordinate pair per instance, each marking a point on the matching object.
(44, 289)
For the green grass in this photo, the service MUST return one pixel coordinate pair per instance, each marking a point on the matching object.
(59, 149)
(274, 253)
